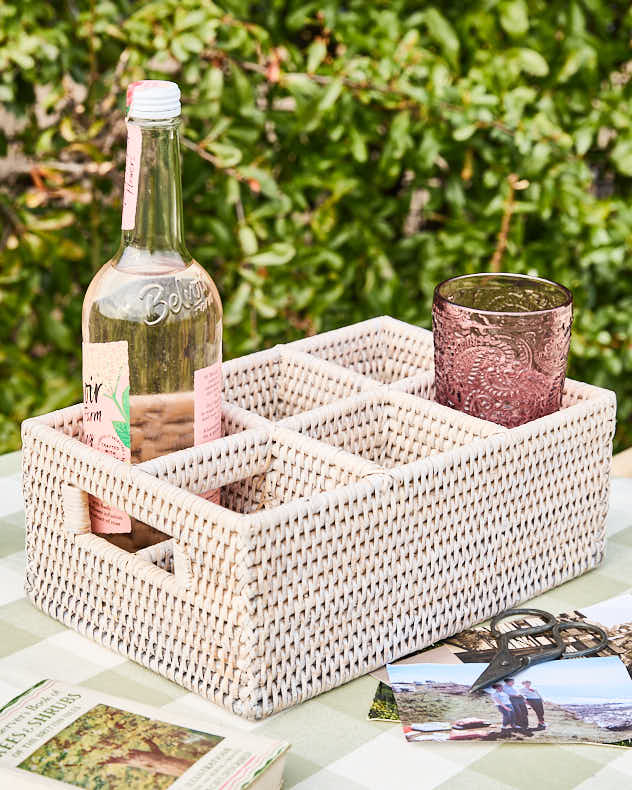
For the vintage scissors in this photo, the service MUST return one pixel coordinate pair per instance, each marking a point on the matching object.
(506, 662)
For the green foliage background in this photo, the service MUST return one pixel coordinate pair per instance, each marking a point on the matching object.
(340, 160)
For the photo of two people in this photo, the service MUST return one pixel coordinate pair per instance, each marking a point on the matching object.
(514, 703)
(565, 701)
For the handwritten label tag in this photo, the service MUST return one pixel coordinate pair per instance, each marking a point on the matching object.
(132, 171)
(106, 419)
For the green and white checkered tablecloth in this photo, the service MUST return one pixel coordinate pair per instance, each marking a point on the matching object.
(334, 746)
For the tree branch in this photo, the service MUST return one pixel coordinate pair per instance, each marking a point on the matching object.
(10, 166)
(514, 184)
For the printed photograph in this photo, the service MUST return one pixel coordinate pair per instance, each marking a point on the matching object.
(384, 705)
(587, 699)
(108, 748)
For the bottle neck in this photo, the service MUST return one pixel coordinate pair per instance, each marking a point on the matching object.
(152, 199)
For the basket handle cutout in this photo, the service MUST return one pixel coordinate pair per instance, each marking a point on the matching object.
(76, 522)
(76, 505)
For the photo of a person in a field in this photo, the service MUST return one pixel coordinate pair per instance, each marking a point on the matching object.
(533, 699)
(520, 713)
(504, 706)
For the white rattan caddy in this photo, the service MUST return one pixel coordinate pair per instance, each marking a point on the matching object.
(360, 521)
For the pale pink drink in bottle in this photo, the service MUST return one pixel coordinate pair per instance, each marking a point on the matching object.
(152, 318)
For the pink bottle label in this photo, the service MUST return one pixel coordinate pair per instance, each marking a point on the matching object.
(106, 419)
(132, 171)
(207, 422)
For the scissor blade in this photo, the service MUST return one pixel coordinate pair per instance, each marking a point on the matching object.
(503, 665)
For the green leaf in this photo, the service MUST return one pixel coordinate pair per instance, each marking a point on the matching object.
(514, 17)
(330, 95)
(213, 83)
(71, 250)
(301, 85)
(248, 240)
(22, 59)
(243, 85)
(621, 155)
(299, 17)
(226, 155)
(54, 221)
(315, 55)
(276, 255)
(358, 145)
(235, 307)
(580, 58)
(192, 19)
(464, 132)
(189, 42)
(442, 32)
(399, 131)
(532, 62)
(263, 305)
(583, 139)
(263, 178)
(125, 402)
(122, 431)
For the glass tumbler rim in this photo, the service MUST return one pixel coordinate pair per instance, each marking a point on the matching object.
(568, 301)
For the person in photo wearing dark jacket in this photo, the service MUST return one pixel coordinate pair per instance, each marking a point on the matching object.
(534, 701)
(521, 714)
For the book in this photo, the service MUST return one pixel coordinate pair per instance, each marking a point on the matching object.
(56, 735)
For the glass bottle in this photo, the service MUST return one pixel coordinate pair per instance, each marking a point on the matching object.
(156, 310)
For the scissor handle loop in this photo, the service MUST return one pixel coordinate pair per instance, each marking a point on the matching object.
(565, 625)
(549, 621)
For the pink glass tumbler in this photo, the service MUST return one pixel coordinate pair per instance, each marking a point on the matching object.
(501, 345)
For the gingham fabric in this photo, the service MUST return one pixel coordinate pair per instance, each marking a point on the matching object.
(334, 746)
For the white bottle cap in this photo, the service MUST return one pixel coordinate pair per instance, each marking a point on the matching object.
(153, 99)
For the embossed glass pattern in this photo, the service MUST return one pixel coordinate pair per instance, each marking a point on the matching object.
(501, 345)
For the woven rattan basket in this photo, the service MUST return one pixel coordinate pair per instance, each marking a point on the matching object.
(360, 521)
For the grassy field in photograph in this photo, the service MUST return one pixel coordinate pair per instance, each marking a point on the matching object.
(428, 705)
